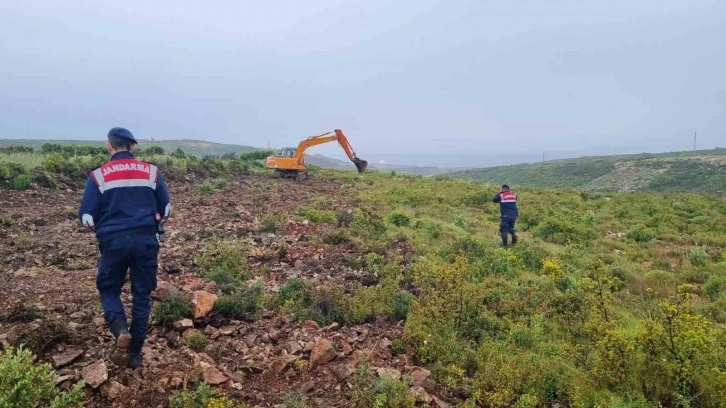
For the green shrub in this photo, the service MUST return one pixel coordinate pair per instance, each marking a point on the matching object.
(242, 305)
(336, 238)
(399, 219)
(172, 309)
(324, 304)
(226, 255)
(26, 385)
(402, 305)
(344, 217)
(21, 182)
(154, 150)
(324, 203)
(715, 286)
(698, 257)
(272, 223)
(207, 189)
(641, 234)
(203, 397)
(564, 231)
(197, 341)
(256, 155)
(317, 216)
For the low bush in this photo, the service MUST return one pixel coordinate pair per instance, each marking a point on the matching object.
(226, 255)
(24, 384)
(715, 286)
(399, 219)
(698, 257)
(197, 341)
(336, 238)
(641, 234)
(244, 304)
(203, 396)
(21, 182)
(172, 309)
(317, 216)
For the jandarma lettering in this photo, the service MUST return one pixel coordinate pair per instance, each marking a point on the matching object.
(120, 167)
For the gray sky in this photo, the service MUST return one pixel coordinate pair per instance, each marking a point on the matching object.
(415, 82)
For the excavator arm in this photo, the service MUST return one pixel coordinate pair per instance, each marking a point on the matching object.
(336, 135)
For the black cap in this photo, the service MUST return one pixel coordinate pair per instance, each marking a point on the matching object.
(122, 133)
(505, 186)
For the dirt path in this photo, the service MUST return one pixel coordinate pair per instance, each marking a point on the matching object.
(47, 273)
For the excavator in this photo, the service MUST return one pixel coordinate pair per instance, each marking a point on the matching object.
(290, 161)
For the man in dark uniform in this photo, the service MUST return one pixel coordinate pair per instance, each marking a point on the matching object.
(125, 201)
(507, 200)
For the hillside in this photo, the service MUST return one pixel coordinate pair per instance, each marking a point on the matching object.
(703, 170)
(328, 163)
(195, 147)
(381, 291)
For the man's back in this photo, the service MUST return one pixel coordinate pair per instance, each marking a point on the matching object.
(124, 194)
(507, 200)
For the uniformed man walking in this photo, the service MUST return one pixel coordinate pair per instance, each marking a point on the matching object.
(125, 201)
(507, 200)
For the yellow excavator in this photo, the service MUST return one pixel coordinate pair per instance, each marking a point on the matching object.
(290, 161)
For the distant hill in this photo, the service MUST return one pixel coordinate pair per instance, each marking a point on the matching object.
(328, 163)
(703, 170)
(195, 147)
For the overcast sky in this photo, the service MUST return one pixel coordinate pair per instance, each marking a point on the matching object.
(409, 81)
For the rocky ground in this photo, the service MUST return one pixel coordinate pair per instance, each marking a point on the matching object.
(47, 265)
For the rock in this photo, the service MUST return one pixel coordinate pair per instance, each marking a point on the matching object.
(78, 315)
(439, 403)
(420, 394)
(163, 290)
(384, 343)
(212, 332)
(322, 353)
(95, 374)
(212, 375)
(310, 324)
(273, 335)
(345, 347)
(333, 327)
(251, 369)
(63, 378)
(389, 372)
(99, 321)
(281, 364)
(342, 372)
(176, 382)
(66, 358)
(191, 284)
(203, 303)
(113, 390)
(228, 330)
(250, 339)
(293, 347)
(184, 324)
(419, 376)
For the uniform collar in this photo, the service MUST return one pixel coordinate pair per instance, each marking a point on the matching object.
(122, 155)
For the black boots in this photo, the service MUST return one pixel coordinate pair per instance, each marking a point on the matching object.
(121, 333)
(135, 355)
(514, 239)
(135, 360)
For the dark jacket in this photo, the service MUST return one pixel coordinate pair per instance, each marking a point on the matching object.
(507, 203)
(124, 194)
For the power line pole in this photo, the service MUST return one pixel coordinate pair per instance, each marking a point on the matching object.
(694, 140)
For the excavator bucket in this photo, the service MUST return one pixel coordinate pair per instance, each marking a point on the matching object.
(361, 165)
